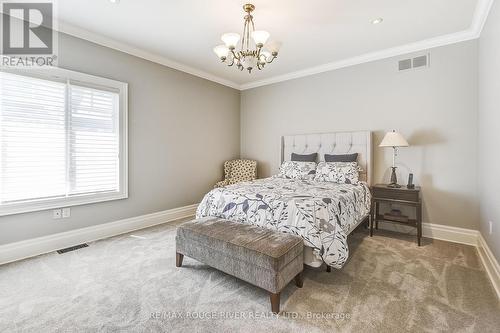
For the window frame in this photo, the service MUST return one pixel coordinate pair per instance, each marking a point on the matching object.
(65, 75)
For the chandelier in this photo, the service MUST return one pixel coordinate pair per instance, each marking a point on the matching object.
(250, 55)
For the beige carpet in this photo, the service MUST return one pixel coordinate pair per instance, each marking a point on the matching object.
(130, 284)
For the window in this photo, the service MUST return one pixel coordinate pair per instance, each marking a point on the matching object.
(63, 140)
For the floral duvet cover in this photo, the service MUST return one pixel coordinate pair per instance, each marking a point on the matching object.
(322, 213)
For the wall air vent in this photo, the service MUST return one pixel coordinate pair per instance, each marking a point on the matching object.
(405, 64)
(417, 62)
(420, 61)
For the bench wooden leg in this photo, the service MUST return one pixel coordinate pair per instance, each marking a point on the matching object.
(275, 302)
(328, 268)
(178, 259)
(299, 280)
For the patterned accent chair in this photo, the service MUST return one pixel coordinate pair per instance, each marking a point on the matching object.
(236, 171)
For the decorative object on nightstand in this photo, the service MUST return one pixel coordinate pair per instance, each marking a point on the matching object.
(394, 139)
(397, 196)
(410, 182)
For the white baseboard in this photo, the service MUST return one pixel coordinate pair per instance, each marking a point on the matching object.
(490, 263)
(36, 246)
(450, 234)
(438, 231)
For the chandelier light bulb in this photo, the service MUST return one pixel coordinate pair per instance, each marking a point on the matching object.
(231, 40)
(222, 51)
(273, 47)
(260, 37)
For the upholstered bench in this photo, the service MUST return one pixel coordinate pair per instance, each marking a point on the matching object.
(265, 258)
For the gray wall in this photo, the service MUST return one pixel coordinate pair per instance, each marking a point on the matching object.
(181, 129)
(489, 129)
(435, 108)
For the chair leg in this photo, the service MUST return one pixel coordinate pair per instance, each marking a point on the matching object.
(275, 302)
(178, 259)
(299, 280)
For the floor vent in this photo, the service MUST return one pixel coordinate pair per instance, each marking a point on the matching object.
(72, 248)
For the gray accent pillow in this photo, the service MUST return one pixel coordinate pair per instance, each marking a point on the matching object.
(341, 158)
(304, 158)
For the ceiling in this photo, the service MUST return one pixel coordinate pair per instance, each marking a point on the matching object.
(317, 35)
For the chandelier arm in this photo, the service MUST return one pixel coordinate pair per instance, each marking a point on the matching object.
(270, 61)
(235, 55)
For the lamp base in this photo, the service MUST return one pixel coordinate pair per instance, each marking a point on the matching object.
(394, 179)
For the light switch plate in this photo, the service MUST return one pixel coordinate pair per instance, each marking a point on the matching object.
(66, 212)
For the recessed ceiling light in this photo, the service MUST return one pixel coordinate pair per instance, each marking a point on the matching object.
(377, 20)
(114, 1)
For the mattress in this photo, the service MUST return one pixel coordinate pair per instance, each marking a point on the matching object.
(322, 213)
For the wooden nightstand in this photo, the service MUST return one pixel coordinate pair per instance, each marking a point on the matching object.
(400, 196)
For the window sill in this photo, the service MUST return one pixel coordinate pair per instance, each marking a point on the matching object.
(27, 207)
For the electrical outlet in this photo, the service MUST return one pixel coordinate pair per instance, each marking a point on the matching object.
(57, 213)
(491, 227)
(66, 212)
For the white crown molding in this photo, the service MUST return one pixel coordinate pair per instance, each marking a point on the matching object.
(368, 57)
(481, 13)
(69, 29)
(36, 246)
(479, 18)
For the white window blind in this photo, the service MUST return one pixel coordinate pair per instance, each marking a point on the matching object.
(32, 141)
(93, 141)
(59, 139)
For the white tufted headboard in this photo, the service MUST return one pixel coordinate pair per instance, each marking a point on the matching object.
(332, 143)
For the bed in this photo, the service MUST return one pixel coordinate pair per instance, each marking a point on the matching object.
(322, 213)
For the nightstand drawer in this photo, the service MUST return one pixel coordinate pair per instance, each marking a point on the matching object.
(395, 194)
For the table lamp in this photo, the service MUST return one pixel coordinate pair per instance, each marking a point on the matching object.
(394, 139)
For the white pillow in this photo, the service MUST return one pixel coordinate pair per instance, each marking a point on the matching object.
(297, 170)
(338, 172)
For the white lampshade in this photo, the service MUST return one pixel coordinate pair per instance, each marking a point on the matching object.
(231, 39)
(222, 51)
(260, 37)
(394, 139)
(273, 46)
